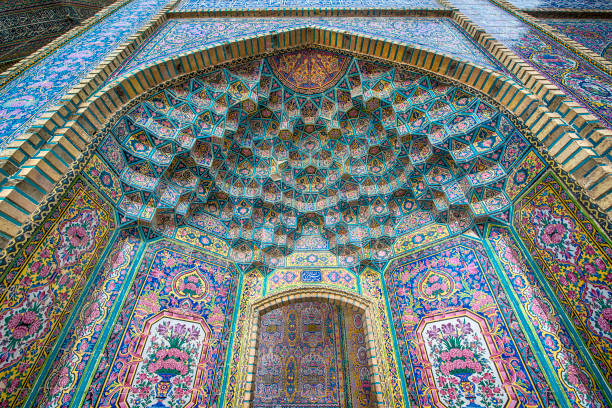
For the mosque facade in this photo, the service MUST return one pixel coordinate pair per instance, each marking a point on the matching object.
(284, 204)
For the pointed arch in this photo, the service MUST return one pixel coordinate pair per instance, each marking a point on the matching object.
(334, 296)
(70, 133)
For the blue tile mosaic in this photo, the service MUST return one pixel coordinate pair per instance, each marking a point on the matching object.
(596, 35)
(273, 4)
(581, 80)
(179, 36)
(28, 96)
(567, 4)
(311, 275)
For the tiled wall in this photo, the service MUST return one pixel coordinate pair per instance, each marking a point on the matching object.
(43, 284)
(95, 312)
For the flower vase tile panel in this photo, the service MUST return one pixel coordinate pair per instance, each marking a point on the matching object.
(563, 4)
(559, 347)
(78, 347)
(43, 284)
(299, 360)
(27, 96)
(179, 36)
(576, 259)
(460, 354)
(279, 4)
(596, 35)
(460, 341)
(169, 344)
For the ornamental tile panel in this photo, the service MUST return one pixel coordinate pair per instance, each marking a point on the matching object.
(35, 90)
(44, 283)
(576, 259)
(169, 343)
(596, 35)
(571, 369)
(457, 334)
(279, 4)
(180, 36)
(300, 358)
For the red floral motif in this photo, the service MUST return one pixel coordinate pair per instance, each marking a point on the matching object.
(605, 319)
(436, 286)
(459, 361)
(24, 324)
(481, 301)
(77, 235)
(578, 379)
(190, 283)
(76, 238)
(599, 301)
(554, 233)
(171, 361)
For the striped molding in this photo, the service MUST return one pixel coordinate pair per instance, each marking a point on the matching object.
(570, 44)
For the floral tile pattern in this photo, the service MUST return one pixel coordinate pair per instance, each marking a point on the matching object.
(311, 169)
(558, 345)
(26, 97)
(169, 343)
(581, 80)
(180, 36)
(78, 347)
(358, 367)
(593, 34)
(451, 317)
(576, 259)
(45, 282)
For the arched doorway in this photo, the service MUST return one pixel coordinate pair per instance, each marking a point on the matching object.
(312, 347)
(312, 353)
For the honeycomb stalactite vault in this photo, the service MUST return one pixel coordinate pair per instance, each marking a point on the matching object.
(313, 150)
(317, 207)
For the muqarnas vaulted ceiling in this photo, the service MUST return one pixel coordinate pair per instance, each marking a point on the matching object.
(312, 150)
